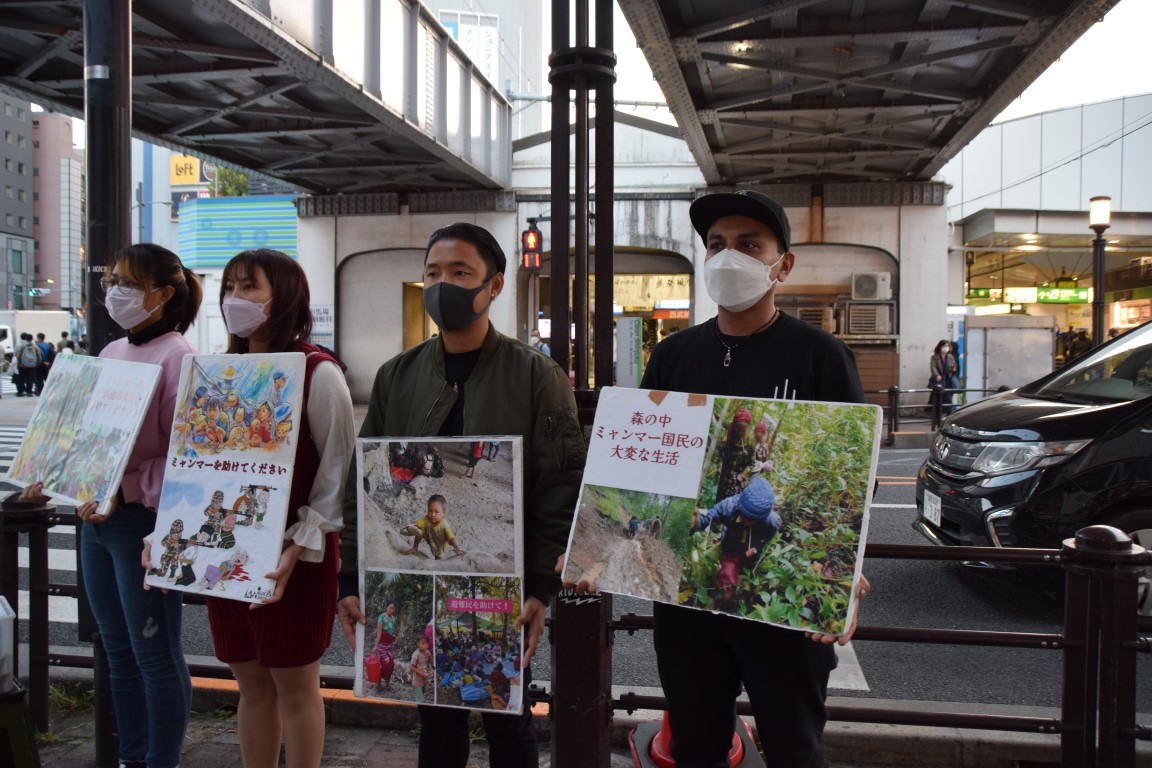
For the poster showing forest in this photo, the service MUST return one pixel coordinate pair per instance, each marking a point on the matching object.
(774, 529)
(439, 526)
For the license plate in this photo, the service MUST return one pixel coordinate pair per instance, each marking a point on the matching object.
(932, 508)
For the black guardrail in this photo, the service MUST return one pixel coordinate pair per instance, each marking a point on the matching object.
(1098, 642)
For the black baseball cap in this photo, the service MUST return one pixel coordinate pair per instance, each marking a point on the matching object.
(705, 211)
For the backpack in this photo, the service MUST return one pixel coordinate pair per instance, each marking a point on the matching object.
(28, 356)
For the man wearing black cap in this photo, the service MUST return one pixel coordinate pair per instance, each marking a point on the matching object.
(749, 349)
(511, 389)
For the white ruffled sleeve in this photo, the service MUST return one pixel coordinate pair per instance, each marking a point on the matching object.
(330, 420)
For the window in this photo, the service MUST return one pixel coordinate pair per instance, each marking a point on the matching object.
(35, 143)
(8, 137)
(35, 195)
(7, 163)
(23, 169)
(22, 196)
(21, 142)
(17, 261)
(7, 109)
(23, 222)
(21, 115)
(35, 123)
(35, 221)
(8, 192)
(7, 219)
(35, 171)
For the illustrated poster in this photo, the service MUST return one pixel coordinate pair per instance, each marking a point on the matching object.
(441, 571)
(227, 483)
(751, 507)
(84, 427)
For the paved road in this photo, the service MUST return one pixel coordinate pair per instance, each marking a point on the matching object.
(906, 594)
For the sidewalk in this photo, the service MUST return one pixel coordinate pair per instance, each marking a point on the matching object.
(364, 733)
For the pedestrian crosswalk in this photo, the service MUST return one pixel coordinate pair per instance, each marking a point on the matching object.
(62, 549)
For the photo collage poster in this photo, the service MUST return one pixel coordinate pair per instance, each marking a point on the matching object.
(753, 507)
(227, 483)
(441, 571)
(84, 428)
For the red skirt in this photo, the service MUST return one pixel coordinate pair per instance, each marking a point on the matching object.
(291, 633)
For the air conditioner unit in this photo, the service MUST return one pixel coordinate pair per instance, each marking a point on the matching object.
(871, 286)
(821, 317)
(869, 319)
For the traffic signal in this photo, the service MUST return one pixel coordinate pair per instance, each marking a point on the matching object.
(531, 244)
(35, 292)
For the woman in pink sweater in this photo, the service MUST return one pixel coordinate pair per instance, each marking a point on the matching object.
(152, 296)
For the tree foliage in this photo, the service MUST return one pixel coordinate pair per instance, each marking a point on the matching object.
(412, 594)
(822, 457)
(230, 183)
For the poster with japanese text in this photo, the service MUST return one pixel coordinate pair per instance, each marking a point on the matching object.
(752, 507)
(441, 571)
(224, 507)
(84, 427)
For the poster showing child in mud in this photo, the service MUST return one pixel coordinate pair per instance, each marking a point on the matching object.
(441, 566)
(770, 527)
(83, 429)
(442, 505)
(224, 504)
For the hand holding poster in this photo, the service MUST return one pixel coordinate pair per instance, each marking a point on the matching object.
(756, 508)
(224, 504)
(441, 571)
(84, 427)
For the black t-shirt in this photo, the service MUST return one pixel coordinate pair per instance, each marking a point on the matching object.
(457, 368)
(790, 360)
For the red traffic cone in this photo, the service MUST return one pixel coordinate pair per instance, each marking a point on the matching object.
(652, 746)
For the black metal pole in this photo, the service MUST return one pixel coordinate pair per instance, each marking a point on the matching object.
(38, 624)
(605, 218)
(1098, 286)
(560, 161)
(108, 122)
(581, 205)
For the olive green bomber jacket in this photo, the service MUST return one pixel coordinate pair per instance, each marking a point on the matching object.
(513, 390)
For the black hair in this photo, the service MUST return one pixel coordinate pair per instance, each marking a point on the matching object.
(490, 250)
(155, 265)
(437, 497)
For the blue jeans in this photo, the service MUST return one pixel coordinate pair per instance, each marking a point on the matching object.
(141, 632)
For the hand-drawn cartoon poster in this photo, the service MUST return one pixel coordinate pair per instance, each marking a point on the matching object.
(84, 427)
(441, 571)
(224, 505)
(756, 508)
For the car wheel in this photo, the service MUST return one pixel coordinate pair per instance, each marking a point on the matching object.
(1138, 526)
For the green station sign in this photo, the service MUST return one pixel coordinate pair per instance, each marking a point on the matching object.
(979, 293)
(1063, 295)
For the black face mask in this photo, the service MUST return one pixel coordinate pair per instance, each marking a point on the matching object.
(450, 306)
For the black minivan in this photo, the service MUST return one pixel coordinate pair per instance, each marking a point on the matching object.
(1030, 467)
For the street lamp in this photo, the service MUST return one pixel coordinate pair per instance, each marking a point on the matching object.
(1099, 219)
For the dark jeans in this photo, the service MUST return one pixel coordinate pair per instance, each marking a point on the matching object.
(41, 376)
(25, 380)
(704, 658)
(444, 741)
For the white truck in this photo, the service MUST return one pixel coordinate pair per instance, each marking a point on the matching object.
(47, 321)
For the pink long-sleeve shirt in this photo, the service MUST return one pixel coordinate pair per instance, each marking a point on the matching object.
(144, 475)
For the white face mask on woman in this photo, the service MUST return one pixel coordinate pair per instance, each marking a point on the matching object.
(736, 281)
(243, 317)
(126, 306)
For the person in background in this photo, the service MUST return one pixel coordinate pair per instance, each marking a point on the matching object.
(274, 649)
(155, 298)
(944, 374)
(47, 355)
(28, 359)
(60, 345)
(538, 343)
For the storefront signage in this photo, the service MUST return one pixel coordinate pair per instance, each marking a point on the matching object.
(979, 293)
(1020, 295)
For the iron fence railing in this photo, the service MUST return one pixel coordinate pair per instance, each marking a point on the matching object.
(1098, 642)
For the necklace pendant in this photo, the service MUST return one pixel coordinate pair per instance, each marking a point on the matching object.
(728, 358)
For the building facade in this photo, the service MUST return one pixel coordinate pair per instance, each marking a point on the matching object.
(58, 211)
(16, 216)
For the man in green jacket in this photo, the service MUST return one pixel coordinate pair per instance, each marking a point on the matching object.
(472, 380)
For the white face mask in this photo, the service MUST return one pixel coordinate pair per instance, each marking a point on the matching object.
(243, 317)
(126, 306)
(736, 281)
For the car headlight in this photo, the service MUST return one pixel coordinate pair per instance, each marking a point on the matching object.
(1012, 457)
